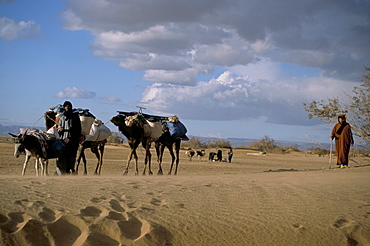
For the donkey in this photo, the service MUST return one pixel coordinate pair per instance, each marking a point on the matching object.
(30, 146)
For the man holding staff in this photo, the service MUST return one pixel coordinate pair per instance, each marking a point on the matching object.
(343, 140)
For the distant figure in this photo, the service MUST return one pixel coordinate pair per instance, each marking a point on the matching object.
(201, 153)
(219, 155)
(69, 131)
(229, 155)
(190, 153)
(343, 140)
(211, 156)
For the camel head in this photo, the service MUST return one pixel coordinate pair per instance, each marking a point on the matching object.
(118, 120)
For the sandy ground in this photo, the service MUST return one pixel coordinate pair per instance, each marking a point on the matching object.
(290, 199)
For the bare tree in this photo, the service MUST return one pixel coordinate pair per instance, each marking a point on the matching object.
(356, 106)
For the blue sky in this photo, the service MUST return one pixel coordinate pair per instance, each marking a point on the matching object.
(227, 69)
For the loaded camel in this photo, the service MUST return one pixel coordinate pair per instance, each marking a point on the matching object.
(134, 132)
(166, 140)
(96, 147)
(173, 132)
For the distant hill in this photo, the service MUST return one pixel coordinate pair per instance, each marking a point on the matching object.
(4, 130)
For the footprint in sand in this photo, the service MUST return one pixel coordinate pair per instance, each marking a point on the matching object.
(111, 223)
(352, 230)
(299, 227)
(28, 204)
(341, 222)
(91, 211)
(158, 202)
(114, 204)
(67, 230)
(98, 199)
(48, 215)
(14, 222)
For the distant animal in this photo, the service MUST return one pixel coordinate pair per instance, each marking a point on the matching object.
(212, 156)
(219, 155)
(135, 135)
(201, 153)
(166, 140)
(190, 153)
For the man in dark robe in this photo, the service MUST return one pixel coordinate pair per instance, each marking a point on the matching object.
(69, 131)
(343, 140)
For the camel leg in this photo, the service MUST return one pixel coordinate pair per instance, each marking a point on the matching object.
(128, 162)
(80, 152)
(159, 151)
(25, 164)
(100, 152)
(177, 148)
(170, 148)
(132, 153)
(148, 157)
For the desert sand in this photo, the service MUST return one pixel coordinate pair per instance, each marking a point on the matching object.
(273, 199)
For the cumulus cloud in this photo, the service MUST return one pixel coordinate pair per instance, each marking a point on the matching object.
(74, 92)
(11, 30)
(231, 97)
(166, 36)
(173, 42)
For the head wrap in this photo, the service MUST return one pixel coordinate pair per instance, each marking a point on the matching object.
(67, 103)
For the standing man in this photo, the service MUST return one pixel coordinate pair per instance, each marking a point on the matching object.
(69, 131)
(343, 140)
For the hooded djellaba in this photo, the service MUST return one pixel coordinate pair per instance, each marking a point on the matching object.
(342, 134)
(69, 131)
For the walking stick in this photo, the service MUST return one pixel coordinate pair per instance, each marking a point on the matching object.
(331, 152)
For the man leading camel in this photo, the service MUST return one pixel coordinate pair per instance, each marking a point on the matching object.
(343, 140)
(69, 131)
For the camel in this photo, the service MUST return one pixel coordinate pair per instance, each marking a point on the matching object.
(135, 135)
(96, 147)
(166, 140)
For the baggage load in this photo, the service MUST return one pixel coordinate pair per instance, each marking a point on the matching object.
(53, 131)
(86, 119)
(153, 129)
(176, 129)
(98, 132)
(86, 123)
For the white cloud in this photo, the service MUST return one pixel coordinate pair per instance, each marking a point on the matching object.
(232, 97)
(74, 92)
(11, 30)
(164, 36)
(281, 54)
